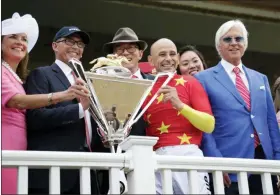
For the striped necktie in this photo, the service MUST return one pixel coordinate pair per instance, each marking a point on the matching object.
(245, 94)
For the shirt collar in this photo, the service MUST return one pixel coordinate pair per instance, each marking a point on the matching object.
(138, 74)
(229, 67)
(64, 67)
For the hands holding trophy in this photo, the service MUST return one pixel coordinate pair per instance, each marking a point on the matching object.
(115, 96)
(116, 99)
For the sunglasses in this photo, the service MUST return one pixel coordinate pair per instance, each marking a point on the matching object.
(237, 39)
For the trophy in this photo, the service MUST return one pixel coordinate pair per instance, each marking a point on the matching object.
(116, 99)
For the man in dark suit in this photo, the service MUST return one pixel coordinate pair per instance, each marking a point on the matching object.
(126, 43)
(66, 126)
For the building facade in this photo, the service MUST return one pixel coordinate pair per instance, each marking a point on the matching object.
(184, 22)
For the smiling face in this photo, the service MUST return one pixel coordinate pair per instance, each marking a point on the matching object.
(65, 51)
(190, 63)
(164, 56)
(131, 52)
(232, 46)
(14, 47)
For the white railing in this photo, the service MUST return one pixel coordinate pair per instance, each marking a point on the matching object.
(139, 162)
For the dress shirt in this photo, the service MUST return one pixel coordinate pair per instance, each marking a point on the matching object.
(68, 73)
(278, 118)
(229, 69)
(138, 74)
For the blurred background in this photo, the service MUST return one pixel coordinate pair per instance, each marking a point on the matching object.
(184, 22)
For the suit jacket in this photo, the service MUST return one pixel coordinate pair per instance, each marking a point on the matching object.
(233, 135)
(56, 127)
(147, 76)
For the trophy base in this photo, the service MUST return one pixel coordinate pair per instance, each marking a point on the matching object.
(114, 139)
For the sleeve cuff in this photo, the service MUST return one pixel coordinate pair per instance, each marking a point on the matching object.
(81, 111)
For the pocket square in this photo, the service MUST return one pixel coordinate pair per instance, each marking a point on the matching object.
(262, 87)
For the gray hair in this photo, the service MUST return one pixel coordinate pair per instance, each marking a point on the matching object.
(226, 27)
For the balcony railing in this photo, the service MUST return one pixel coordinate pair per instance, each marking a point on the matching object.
(140, 163)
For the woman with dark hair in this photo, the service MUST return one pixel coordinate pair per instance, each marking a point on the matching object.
(276, 93)
(191, 61)
(19, 35)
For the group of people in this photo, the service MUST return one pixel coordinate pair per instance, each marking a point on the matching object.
(223, 111)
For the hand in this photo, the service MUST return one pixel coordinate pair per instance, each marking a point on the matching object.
(170, 94)
(227, 181)
(85, 101)
(83, 94)
(78, 90)
(81, 85)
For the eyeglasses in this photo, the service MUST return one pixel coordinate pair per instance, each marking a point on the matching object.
(128, 49)
(71, 42)
(237, 39)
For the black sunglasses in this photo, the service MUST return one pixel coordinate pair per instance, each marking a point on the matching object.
(237, 39)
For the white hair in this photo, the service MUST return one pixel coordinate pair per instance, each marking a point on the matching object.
(226, 27)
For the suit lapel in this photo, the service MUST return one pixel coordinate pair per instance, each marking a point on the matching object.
(143, 75)
(60, 75)
(252, 88)
(223, 78)
(147, 76)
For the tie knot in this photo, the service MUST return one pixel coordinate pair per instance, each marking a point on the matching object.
(236, 70)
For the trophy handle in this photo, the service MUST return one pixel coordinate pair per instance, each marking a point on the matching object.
(98, 121)
(132, 121)
(78, 69)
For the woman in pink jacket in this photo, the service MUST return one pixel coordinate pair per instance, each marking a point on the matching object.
(19, 35)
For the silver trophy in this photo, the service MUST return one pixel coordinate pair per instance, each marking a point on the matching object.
(116, 101)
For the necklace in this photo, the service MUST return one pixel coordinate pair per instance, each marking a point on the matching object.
(11, 71)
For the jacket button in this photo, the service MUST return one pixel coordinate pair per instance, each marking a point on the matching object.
(252, 135)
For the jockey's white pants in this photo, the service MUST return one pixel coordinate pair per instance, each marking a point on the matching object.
(180, 179)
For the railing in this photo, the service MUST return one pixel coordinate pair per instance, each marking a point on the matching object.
(139, 162)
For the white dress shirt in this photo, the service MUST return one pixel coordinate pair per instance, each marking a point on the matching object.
(229, 69)
(68, 73)
(278, 118)
(138, 74)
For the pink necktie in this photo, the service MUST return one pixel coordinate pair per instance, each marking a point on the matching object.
(86, 125)
(134, 77)
(245, 94)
